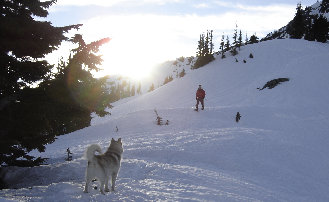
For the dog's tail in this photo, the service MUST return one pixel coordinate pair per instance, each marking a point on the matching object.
(90, 152)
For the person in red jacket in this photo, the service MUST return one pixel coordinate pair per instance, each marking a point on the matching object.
(199, 96)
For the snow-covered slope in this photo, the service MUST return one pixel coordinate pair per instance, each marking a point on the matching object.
(277, 152)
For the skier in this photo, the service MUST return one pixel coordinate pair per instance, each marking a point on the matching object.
(199, 96)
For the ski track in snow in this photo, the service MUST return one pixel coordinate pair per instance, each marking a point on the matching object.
(141, 178)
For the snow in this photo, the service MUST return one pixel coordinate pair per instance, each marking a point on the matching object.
(277, 152)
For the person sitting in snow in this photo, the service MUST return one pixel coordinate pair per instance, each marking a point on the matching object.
(199, 96)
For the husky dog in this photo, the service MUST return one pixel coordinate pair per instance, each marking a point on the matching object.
(103, 166)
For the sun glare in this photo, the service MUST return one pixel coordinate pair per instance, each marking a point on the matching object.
(137, 44)
(117, 61)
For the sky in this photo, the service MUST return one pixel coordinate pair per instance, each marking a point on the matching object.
(148, 32)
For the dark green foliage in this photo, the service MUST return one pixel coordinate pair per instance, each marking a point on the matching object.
(318, 30)
(227, 44)
(324, 6)
(253, 39)
(205, 50)
(23, 42)
(296, 28)
(222, 45)
(62, 103)
(239, 44)
(234, 51)
(202, 61)
(273, 83)
(58, 106)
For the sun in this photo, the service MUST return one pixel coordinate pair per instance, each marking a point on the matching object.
(138, 44)
(133, 63)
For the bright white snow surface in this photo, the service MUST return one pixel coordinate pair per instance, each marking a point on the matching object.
(277, 152)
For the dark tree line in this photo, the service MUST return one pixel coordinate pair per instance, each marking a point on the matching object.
(205, 50)
(39, 101)
(123, 90)
(311, 27)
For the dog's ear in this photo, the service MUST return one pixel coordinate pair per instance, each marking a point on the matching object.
(112, 140)
(119, 140)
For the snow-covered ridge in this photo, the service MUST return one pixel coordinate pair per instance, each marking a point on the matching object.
(277, 152)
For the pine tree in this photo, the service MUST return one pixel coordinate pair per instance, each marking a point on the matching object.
(297, 26)
(324, 8)
(64, 98)
(182, 73)
(320, 29)
(222, 44)
(204, 52)
(253, 39)
(235, 36)
(139, 89)
(240, 40)
(23, 44)
(206, 45)
(132, 92)
(200, 51)
(235, 41)
(152, 87)
(211, 44)
(246, 41)
(227, 44)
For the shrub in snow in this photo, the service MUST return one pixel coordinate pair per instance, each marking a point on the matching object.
(159, 120)
(271, 84)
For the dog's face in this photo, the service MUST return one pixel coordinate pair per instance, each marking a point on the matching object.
(116, 145)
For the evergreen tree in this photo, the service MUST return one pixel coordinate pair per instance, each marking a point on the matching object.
(132, 92)
(240, 40)
(324, 6)
(139, 89)
(32, 117)
(206, 49)
(201, 46)
(235, 41)
(211, 44)
(152, 87)
(320, 29)
(227, 44)
(253, 39)
(246, 41)
(204, 52)
(235, 36)
(58, 106)
(297, 26)
(128, 91)
(222, 44)
(182, 73)
(23, 44)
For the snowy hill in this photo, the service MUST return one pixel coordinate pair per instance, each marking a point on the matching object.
(277, 152)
